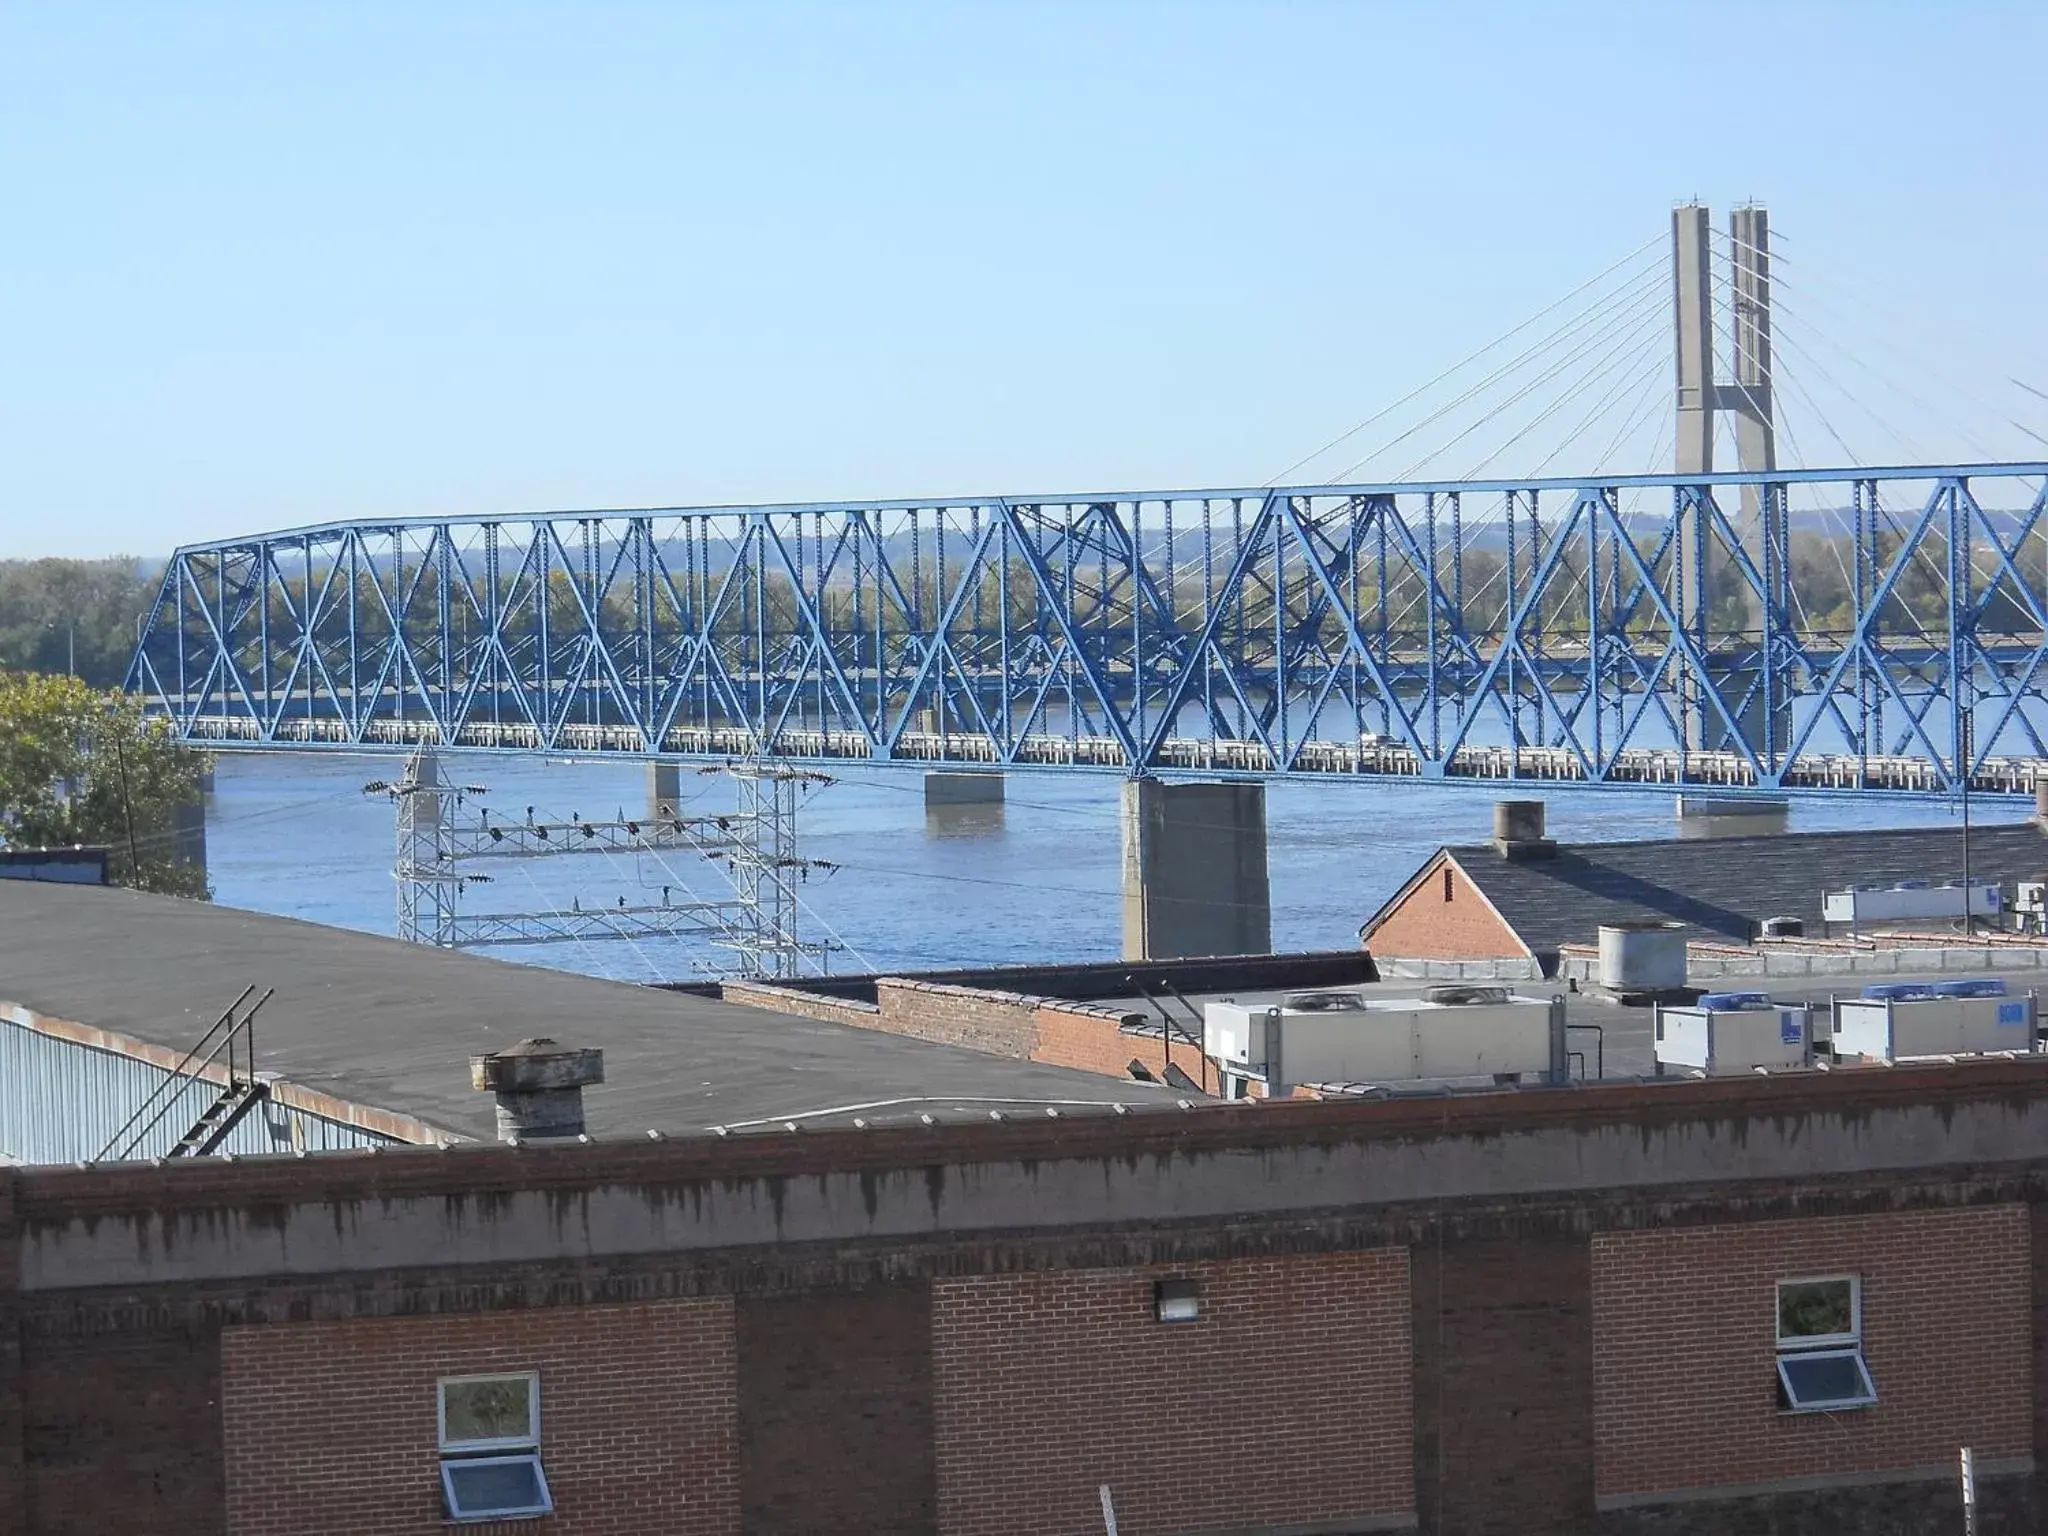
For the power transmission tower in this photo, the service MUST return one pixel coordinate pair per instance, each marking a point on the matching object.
(426, 875)
(766, 868)
(756, 844)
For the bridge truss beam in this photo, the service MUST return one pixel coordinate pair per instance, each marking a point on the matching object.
(1488, 631)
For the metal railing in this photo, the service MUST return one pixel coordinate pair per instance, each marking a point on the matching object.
(233, 1036)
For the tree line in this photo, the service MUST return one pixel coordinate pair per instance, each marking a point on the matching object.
(73, 616)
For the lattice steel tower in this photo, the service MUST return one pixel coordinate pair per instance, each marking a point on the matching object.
(439, 852)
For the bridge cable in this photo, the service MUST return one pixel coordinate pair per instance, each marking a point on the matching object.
(1634, 321)
(1819, 296)
(1825, 284)
(1645, 358)
(1602, 313)
(1604, 317)
(1467, 360)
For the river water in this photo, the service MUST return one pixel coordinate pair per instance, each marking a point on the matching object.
(294, 834)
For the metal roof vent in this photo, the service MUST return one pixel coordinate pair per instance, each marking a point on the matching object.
(539, 1087)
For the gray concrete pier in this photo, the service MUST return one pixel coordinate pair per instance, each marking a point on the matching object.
(664, 788)
(1704, 816)
(1194, 870)
(972, 787)
(188, 833)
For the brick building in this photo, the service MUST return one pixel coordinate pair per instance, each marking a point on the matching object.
(820, 1271)
(1592, 1309)
(1521, 904)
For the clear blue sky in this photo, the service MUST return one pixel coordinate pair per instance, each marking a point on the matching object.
(271, 263)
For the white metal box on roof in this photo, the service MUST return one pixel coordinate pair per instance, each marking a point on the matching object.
(1909, 901)
(1733, 1039)
(1342, 1037)
(1904, 1019)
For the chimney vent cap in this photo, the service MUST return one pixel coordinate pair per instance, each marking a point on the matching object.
(536, 1065)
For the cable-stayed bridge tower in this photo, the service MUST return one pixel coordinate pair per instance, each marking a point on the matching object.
(1763, 522)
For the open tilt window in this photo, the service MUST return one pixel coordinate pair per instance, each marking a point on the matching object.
(490, 1447)
(1820, 1345)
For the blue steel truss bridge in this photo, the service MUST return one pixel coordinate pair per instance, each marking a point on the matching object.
(1830, 629)
(1764, 631)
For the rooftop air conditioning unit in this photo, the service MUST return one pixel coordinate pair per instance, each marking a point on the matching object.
(1343, 1037)
(1894, 1020)
(1321, 1002)
(1731, 1033)
(1910, 901)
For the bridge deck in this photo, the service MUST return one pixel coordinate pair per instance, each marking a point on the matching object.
(1729, 771)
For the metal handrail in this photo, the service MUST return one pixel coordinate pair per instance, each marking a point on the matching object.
(190, 1070)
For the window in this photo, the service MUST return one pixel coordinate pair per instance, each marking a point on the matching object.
(1447, 883)
(1815, 1313)
(1820, 1345)
(490, 1447)
(1177, 1301)
(495, 1487)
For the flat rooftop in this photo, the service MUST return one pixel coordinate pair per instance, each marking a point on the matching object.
(1622, 1047)
(392, 1025)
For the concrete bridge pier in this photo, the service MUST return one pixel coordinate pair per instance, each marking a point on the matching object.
(1705, 816)
(188, 833)
(1194, 870)
(186, 840)
(664, 788)
(956, 787)
(963, 804)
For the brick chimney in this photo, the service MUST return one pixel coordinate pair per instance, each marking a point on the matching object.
(1518, 830)
(539, 1087)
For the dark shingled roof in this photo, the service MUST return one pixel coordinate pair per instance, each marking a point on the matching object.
(392, 1025)
(1723, 887)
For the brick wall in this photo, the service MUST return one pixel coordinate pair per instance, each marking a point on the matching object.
(331, 1427)
(1286, 1402)
(1930, 1507)
(1684, 1353)
(1425, 926)
(122, 1432)
(2038, 1233)
(1092, 1040)
(835, 1412)
(13, 1476)
(807, 1005)
(997, 1022)
(1025, 1028)
(1504, 1386)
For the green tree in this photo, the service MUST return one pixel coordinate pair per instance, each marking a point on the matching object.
(75, 616)
(78, 765)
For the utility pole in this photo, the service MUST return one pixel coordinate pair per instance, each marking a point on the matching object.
(127, 811)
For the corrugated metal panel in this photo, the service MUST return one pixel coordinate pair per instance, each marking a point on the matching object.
(60, 1102)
